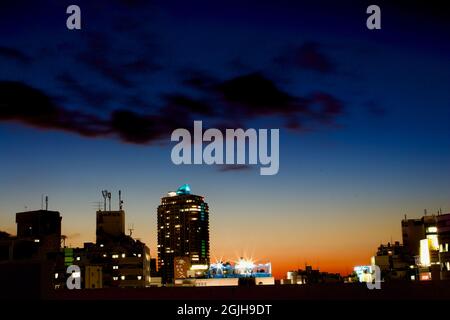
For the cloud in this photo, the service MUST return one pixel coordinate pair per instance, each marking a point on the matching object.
(229, 103)
(14, 54)
(91, 97)
(253, 95)
(116, 61)
(22, 103)
(234, 167)
(308, 56)
(180, 104)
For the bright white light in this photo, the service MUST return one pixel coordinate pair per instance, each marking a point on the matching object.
(123, 255)
(76, 274)
(122, 277)
(56, 276)
(425, 260)
(199, 266)
(36, 240)
(172, 194)
(139, 277)
(244, 266)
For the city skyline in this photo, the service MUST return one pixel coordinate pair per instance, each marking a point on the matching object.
(363, 119)
(279, 272)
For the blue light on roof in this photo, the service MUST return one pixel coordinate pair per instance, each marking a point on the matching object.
(184, 189)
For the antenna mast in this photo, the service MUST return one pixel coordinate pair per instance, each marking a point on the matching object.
(120, 200)
(131, 229)
(105, 195)
(109, 200)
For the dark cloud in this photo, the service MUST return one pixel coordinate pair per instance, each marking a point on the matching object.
(102, 65)
(234, 167)
(328, 107)
(254, 95)
(136, 128)
(308, 56)
(22, 103)
(180, 104)
(220, 104)
(14, 54)
(249, 96)
(117, 62)
(91, 97)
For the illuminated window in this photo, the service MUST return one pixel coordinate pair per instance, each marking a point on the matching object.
(123, 255)
(115, 278)
(78, 258)
(432, 229)
(139, 277)
(115, 267)
(122, 277)
(115, 256)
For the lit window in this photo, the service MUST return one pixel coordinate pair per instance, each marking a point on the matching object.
(115, 256)
(36, 240)
(122, 277)
(56, 276)
(139, 277)
(139, 255)
(105, 255)
(432, 229)
(78, 258)
(115, 278)
(101, 246)
(123, 255)
(115, 267)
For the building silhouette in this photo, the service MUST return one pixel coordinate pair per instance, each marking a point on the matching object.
(443, 230)
(183, 231)
(30, 258)
(115, 259)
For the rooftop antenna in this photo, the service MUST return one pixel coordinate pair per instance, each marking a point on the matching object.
(105, 195)
(42, 201)
(109, 200)
(131, 229)
(425, 211)
(63, 241)
(120, 200)
(46, 203)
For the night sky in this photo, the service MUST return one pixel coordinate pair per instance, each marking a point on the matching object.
(363, 118)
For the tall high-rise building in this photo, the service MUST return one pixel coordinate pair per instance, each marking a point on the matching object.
(183, 231)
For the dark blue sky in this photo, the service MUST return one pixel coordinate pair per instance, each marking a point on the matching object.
(363, 116)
